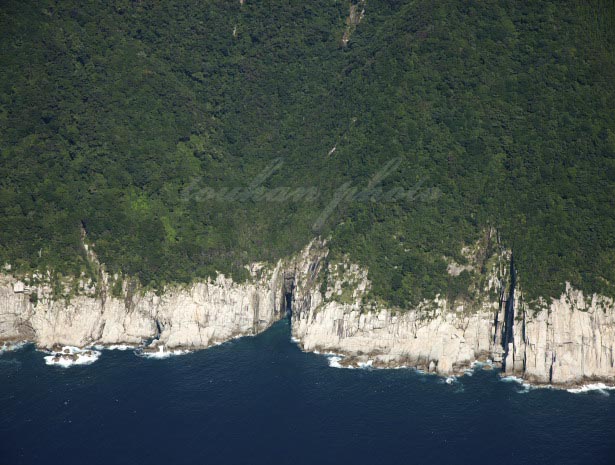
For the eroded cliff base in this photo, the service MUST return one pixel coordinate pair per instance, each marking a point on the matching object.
(566, 342)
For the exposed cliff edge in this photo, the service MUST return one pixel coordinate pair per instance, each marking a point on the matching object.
(568, 341)
(192, 317)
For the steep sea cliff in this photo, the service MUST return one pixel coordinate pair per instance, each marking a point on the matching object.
(193, 317)
(567, 341)
(570, 342)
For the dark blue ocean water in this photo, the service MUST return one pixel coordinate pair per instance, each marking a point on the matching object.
(260, 400)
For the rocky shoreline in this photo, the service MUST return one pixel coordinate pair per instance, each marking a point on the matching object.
(568, 342)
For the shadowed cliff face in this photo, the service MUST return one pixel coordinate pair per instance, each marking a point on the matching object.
(288, 289)
(509, 314)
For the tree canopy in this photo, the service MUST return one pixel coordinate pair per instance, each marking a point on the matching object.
(116, 116)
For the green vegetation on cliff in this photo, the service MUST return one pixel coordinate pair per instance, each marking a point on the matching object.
(115, 116)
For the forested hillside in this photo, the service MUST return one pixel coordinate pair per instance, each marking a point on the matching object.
(116, 116)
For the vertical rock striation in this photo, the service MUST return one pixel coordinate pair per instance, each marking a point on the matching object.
(567, 341)
(195, 316)
(191, 317)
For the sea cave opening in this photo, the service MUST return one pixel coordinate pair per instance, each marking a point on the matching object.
(288, 293)
(288, 296)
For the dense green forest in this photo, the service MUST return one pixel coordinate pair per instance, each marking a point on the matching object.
(119, 117)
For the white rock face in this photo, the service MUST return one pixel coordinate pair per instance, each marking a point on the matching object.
(195, 317)
(562, 345)
(445, 343)
(571, 341)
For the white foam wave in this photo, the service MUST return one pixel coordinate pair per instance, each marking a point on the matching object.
(594, 387)
(12, 346)
(476, 364)
(70, 356)
(367, 364)
(512, 379)
(162, 352)
(599, 387)
(115, 347)
(526, 387)
(334, 361)
(226, 341)
(120, 347)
